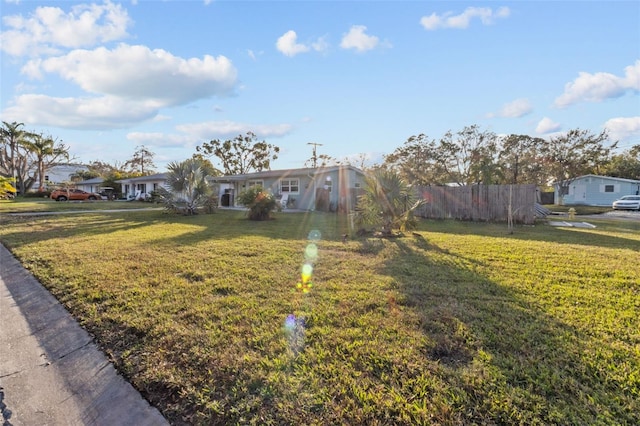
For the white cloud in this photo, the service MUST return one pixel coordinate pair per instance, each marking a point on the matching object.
(623, 128)
(125, 86)
(447, 20)
(288, 45)
(140, 74)
(547, 125)
(599, 86)
(358, 40)
(514, 109)
(320, 45)
(229, 129)
(157, 139)
(106, 112)
(48, 29)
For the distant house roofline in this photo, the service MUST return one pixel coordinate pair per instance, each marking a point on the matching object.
(309, 171)
(157, 176)
(618, 179)
(90, 181)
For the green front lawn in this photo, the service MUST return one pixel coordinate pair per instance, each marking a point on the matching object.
(457, 323)
(31, 205)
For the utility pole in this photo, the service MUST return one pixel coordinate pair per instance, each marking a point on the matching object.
(314, 158)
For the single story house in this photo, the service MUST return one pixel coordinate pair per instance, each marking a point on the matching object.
(139, 188)
(332, 188)
(90, 185)
(594, 190)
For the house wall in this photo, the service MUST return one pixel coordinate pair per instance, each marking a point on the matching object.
(130, 187)
(60, 173)
(593, 191)
(90, 187)
(338, 182)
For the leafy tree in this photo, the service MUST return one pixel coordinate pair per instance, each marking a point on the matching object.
(141, 163)
(80, 175)
(241, 155)
(468, 156)
(208, 165)
(189, 186)
(519, 160)
(574, 154)
(259, 202)
(465, 157)
(625, 165)
(418, 161)
(46, 153)
(387, 202)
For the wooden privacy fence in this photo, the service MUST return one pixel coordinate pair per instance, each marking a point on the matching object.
(479, 202)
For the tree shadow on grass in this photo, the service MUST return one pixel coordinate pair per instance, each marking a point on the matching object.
(505, 359)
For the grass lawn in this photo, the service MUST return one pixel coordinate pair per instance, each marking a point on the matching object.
(31, 205)
(457, 323)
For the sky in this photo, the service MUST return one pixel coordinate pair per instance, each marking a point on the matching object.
(358, 78)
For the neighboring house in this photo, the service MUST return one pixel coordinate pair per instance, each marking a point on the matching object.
(90, 185)
(61, 173)
(594, 190)
(325, 188)
(140, 187)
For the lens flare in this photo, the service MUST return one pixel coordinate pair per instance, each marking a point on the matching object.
(311, 252)
(290, 323)
(314, 235)
(306, 272)
(294, 330)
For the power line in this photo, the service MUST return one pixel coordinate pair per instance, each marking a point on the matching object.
(314, 158)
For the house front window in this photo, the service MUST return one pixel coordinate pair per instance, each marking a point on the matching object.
(609, 188)
(142, 187)
(290, 186)
(253, 183)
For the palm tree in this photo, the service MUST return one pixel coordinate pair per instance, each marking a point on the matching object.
(388, 202)
(12, 137)
(189, 185)
(46, 153)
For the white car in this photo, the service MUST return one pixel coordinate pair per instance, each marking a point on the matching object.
(628, 202)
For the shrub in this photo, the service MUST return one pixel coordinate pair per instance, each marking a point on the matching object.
(38, 194)
(259, 202)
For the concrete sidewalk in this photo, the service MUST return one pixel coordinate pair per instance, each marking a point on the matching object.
(51, 372)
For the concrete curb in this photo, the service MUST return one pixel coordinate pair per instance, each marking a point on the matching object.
(51, 372)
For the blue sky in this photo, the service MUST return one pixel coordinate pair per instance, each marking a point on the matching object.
(358, 77)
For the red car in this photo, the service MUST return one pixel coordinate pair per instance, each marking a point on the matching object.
(74, 194)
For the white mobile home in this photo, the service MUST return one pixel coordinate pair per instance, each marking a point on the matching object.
(594, 190)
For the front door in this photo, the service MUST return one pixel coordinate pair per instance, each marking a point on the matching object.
(580, 193)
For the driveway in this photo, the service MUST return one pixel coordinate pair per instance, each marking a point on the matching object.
(631, 215)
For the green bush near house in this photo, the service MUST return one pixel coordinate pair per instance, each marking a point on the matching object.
(261, 203)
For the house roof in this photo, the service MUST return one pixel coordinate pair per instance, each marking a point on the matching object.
(157, 176)
(91, 181)
(284, 173)
(617, 179)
